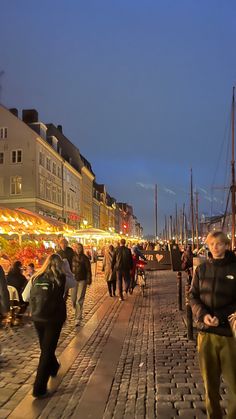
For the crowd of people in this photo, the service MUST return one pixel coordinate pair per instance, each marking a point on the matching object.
(46, 291)
(212, 298)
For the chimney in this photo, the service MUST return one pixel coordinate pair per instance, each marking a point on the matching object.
(59, 127)
(14, 111)
(29, 116)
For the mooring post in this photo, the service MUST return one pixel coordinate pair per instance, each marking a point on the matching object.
(179, 290)
(189, 314)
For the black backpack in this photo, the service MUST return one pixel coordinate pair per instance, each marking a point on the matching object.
(46, 299)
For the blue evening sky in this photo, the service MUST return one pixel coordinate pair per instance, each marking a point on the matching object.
(142, 87)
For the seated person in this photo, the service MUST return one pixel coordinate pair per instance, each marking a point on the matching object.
(16, 279)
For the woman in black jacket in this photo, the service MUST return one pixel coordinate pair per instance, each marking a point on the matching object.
(213, 300)
(46, 294)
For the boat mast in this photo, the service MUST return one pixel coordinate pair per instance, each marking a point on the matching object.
(192, 209)
(233, 177)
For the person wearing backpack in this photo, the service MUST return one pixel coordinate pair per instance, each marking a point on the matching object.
(81, 268)
(46, 295)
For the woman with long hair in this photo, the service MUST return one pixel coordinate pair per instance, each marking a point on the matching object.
(46, 291)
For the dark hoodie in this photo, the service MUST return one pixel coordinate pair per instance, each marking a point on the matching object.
(213, 291)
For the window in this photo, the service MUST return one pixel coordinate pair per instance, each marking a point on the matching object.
(59, 195)
(42, 187)
(1, 186)
(68, 200)
(48, 191)
(54, 194)
(59, 172)
(3, 133)
(1, 158)
(48, 164)
(16, 185)
(54, 168)
(41, 159)
(16, 156)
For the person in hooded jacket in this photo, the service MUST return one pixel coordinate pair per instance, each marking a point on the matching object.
(213, 299)
(109, 274)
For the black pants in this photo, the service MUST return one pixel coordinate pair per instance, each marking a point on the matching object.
(112, 287)
(48, 334)
(120, 276)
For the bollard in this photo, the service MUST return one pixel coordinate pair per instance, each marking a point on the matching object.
(189, 314)
(179, 290)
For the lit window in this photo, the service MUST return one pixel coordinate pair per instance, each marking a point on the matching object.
(16, 156)
(16, 185)
(3, 133)
(1, 158)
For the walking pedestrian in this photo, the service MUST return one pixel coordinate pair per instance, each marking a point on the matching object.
(46, 294)
(4, 297)
(81, 269)
(213, 300)
(109, 274)
(65, 251)
(122, 263)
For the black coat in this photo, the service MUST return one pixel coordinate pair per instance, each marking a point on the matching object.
(122, 259)
(68, 254)
(17, 280)
(213, 291)
(4, 294)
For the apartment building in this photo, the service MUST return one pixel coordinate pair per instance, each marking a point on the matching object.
(30, 169)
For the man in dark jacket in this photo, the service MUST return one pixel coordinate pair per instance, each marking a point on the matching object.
(213, 300)
(81, 268)
(122, 263)
(65, 251)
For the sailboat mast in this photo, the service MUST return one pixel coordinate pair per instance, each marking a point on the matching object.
(192, 209)
(233, 176)
(197, 230)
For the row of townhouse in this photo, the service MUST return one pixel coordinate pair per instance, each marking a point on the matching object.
(43, 171)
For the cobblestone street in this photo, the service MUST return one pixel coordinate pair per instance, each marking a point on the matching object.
(129, 359)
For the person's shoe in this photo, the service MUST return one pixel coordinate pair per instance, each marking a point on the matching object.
(121, 299)
(111, 295)
(42, 396)
(131, 291)
(114, 295)
(55, 373)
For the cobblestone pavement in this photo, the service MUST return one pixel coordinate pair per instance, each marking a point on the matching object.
(156, 375)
